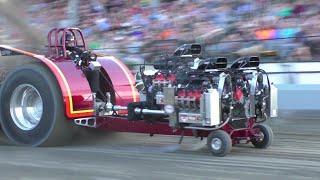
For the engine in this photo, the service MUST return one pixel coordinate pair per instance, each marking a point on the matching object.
(189, 88)
(251, 88)
(192, 91)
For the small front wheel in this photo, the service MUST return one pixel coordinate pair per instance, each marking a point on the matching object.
(265, 137)
(219, 143)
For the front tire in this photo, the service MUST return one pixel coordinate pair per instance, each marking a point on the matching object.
(219, 143)
(265, 137)
(32, 108)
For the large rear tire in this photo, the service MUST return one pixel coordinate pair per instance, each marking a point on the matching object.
(32, 108)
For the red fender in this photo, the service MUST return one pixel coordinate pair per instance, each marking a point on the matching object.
(122, 80)
(74, 86)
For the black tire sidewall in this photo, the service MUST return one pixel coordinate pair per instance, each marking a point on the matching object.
(39, 77)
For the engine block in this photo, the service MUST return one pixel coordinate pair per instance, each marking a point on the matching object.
(191, 90)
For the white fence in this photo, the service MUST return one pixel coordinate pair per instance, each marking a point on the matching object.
(299, 96)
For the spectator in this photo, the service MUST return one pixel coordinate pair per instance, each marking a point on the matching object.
(226, 26)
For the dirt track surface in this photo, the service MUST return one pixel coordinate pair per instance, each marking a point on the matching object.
(137, 156)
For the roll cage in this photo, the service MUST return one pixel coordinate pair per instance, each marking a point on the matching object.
(57, 41)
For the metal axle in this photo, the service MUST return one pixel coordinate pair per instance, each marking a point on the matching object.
(149, 111)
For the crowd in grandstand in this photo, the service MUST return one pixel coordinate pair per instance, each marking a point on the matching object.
(235, 27)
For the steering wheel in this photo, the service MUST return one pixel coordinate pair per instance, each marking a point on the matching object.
(85, 58)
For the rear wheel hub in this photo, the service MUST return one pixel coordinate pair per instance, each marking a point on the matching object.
(26, 107)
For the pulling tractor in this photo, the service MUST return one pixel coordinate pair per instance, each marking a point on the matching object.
(44, 96)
